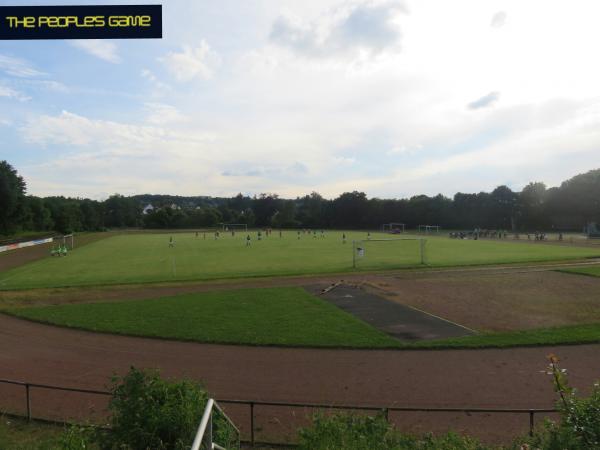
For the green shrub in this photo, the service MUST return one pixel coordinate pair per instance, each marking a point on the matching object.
(353, 432)
(151, 413)
(579, 425)
(77, 438)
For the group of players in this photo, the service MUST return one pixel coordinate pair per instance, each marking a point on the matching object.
(265, 233)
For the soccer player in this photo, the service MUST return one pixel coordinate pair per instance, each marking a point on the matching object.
(171, 243)
(280, 236)
(344, 238)
(248, 241)
(259, 235)
(298, 234)
(322, 233)
(369, 236)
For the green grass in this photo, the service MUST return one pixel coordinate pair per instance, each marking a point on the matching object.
(281, 316)
(276, 316)
(147, 258)
(18, 434)
(593, 271)
(567, 335)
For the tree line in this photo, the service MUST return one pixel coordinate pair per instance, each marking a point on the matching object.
(570, 206)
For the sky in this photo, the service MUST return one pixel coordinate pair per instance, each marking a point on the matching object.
(392, 98)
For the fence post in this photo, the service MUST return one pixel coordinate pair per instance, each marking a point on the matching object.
(531, 423)
(209, 428)
(252, 424)
(28, 398)
(386, 414)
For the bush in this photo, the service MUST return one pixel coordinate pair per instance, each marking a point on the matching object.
(352, 432)
(76, 438)
(579, 427)
(151, 413)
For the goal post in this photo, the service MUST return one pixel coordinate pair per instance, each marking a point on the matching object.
(234, 226)
(67, 239)
(389, 253)
(393, 227)
(428, 229)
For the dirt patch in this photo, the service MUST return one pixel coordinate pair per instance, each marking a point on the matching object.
(499, 301)
(402, 322)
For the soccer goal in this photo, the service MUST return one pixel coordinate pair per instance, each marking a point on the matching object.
(389, 253)
(428, 229)
(393, 227)
(68, 240)
(234, 226)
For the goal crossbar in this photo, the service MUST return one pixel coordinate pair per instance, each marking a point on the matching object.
(393, 226)
(66, 239)
(238, 225)
(391, 239)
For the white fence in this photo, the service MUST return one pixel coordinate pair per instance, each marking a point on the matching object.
(5, 248)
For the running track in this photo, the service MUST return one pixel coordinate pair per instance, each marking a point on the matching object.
(451, 378)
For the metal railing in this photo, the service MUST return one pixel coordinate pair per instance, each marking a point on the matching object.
(27, 386)
(252, 404)
(385, 410)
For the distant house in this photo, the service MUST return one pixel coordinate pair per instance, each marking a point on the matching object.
(148, 209)
(175, 206)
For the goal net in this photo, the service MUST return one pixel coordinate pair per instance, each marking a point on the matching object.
(68, 241)
(393, 227)
(235, 226)
(389, 253)
(429, 229)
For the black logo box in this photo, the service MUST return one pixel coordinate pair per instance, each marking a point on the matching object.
(81, 22)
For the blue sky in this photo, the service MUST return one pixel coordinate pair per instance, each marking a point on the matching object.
(394, 98)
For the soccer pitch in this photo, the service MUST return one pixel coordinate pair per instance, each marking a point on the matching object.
(145, 257)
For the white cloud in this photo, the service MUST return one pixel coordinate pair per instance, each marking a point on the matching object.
(498, 20)
(8, 92)
(79, 131)
(160, 88)
(100, 155)
(200, 62)
(160, 114)
(102, 49)
(403, 149)
(18, 67)
(348, 31)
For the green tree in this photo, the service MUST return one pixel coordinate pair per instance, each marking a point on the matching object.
(503, 207)
(12, 199)
(351, 209)
(532, 206)
(40, 217)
